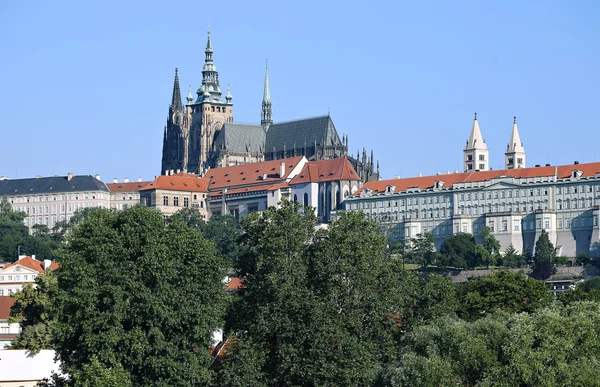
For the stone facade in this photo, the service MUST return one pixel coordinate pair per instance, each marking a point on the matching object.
(515, 204)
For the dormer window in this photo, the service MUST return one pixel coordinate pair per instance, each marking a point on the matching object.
(390, 189)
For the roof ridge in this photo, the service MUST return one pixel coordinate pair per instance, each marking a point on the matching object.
(301, 119)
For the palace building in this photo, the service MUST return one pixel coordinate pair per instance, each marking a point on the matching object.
(516, 203)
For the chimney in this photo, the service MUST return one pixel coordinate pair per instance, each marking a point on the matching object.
(97, 176)
(171, 172)
(420, 175)
(47, 264)
(139, 179)
(115, 180)
(576, 162)
(69, 176)
(33, 257)
(3, 177)
(281, 169)
(166, 172)
(126, 180)
(38, 176)
(397, 177)
(178, 170)
(21, 257)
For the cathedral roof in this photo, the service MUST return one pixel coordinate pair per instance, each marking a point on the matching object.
(427, 182)
(50, 185)
(476, 139)
(326, 170)
(297, 133)
(241, 138)
(515, 145)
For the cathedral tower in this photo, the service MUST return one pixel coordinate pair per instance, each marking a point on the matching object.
(174, 132)
(515, 153)
(266, 117)
(476, 153)
(206, 116)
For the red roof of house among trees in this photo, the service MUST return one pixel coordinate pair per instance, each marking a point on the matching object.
(31, 263)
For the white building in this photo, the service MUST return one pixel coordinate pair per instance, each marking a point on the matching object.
(8, 332)
(47, 200)
(19, 369)
(14, 275)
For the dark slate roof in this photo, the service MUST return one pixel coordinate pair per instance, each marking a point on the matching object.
(48, 185)
(241, 138)
(298, 132)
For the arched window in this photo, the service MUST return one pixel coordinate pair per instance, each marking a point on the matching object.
(305, 199)
(295, 198)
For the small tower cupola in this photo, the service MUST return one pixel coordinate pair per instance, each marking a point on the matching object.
(514, 157)
(229, 97)
(190, 96)
(476, 153)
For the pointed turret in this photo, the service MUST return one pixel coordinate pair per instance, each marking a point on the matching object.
(229, 97)
(476, 153)
(176, 98)
(266, 118)
(210, 78)
(190, 96)
(515, 153)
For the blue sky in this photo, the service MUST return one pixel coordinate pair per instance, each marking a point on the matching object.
(85, 86)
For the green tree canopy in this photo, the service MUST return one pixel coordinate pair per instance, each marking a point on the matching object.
(491, 245)
(320, 308)
(420, 249)
(505, 291)
(460, 250)
(512, 258)
(137, 299)
(543, 259)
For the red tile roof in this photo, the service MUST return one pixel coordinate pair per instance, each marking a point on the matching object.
(127, 187)
(234, 284)
(32, 264)
(189, 182)
(326, 170)
(6, 303)
(249, 174)
(426, 182)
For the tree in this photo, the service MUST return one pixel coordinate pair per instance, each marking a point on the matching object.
(505, 291)
(137, 299)
(512, 258)
(224, 231)
(320, 308)
(583, 259)
(190, 216)
(555, 345)
(420, 249)
(12, 231)
(460, 250)
(32, 310)
(491, 245)
(543, 266)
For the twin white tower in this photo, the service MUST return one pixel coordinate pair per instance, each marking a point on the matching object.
(476, 153)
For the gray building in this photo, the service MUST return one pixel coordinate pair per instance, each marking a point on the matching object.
(516, 204)
(47, 200)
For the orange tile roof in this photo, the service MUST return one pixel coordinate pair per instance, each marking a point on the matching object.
(426, 182)
(32, 264)
(326, 170)
(248, 174)
(6, 302)
(127, 187)
(234, 284)
(190, 183)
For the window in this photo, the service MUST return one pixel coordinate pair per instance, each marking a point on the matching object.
(481, 166)
(538, 191)
(176, 201)
(495, 194)
(10, 277)
(1, 292)
(253, 207)
(186, 202)
(505, 225)
(547, 224)
(305, 199)
(462, 197)
(502, 194)
(481, 158)
(530, 192)
(560, 223)
(516, 226)
(165, 200)
(575, 223)
(567, 223)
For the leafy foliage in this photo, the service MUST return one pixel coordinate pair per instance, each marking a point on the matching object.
(419, 249)
(512, 258)
(543, 261)
(502, 291)
(491, 246)
(553, 346)
(137, 299)
(460, 251)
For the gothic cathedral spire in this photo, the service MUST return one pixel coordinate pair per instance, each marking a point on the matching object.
(176, 99)
(266, 118)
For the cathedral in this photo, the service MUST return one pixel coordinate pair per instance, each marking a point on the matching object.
(202, 133)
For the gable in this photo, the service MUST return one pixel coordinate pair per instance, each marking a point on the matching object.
(299, 133)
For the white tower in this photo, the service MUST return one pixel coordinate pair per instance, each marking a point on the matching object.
(476, 151)
(515, 153)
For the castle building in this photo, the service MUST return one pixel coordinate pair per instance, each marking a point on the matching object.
(203, 135)
(516, 203)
